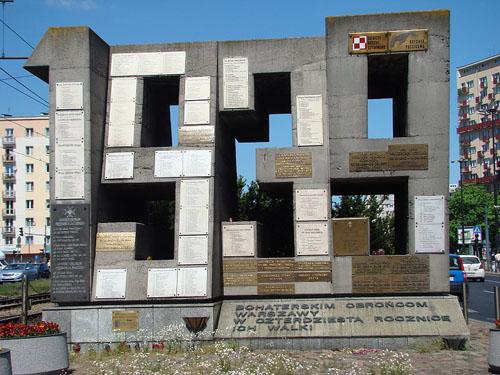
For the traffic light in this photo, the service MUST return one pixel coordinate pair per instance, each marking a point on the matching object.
(21, 233)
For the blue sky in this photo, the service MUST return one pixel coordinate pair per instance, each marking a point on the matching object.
(474, 36)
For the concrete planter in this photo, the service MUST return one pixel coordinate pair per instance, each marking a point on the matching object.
(494, 351)
(38, 355)
(5, 363)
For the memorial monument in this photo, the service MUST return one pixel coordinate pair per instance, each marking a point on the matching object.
(145, 234)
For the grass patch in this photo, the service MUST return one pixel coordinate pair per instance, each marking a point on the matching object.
(11, 290)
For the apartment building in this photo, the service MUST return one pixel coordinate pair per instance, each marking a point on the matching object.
(25, 188)
(478, 86)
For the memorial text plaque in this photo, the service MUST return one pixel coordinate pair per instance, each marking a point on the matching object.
(351, 236)
(240, 279)
(125, 321)
(275, 264)
(69, 95)
(197, 88)
(115, 241)
(162, 282)
(276, 289)
(310, 120)
(119, 165)
(293, 165)
(238, 240)
(408, 157)
(234, 265)
(197, 112)
(429, 224)
(193, 249)
(197, 163)
(368, 161)
(312, 238)
(235, 82)
(196, 134)
(194, 193)
(275, 277)
(311, 204)
(192, 282)
(111, 283)
(168, 163)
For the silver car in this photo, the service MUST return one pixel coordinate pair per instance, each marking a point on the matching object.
(15, 272)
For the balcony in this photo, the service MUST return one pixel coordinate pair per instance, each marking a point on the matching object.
(483, 84)
(464, 103)
(463, 90)
(9, 176)
(466, 169)
(8, 212)
(479, 154)
(9, 194)
(485, 139)
(9, 231)
(9, 158)
(9, 141)
(478, 99)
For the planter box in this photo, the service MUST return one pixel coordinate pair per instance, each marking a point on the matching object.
(38, 355)
(494, 351)
(5, 365)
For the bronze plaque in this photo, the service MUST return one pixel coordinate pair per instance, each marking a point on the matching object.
(195, 134)
(369, 42)
(115, 241)
(240, 279)
(125, 321)
(351, 236)
(293, 165)
(408, 157)
(371, 284)
(276, 264)
(234, 265)
(410, 264)
(275, 277)
(410, 283)
(313, 277)
(368, 161)
(408, 40)
(312, 265)
(372, 265)
(276, 289)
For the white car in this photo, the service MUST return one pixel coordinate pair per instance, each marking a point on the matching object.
(473, 267)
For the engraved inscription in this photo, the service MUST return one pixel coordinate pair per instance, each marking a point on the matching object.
(313, 266)
(115, 241)
(351, 236)
(370, 284)
(125, 321)
(408, 40)
(240, 265)
(276, 289)
(293, 165)
(408, 157)
(276, 277)
(195, 134)
(368, 161)
(240, 279)
(313, 277)
(276, 264)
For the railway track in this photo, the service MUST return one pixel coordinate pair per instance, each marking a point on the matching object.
(9, 303)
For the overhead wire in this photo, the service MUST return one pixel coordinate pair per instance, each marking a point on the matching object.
(22, 126)
(19, 36)
(22, 84)
(22, 92)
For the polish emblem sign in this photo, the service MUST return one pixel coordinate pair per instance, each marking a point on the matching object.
(368, 42)
(359, 43)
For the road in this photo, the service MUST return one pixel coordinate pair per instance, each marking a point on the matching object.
(481, 303)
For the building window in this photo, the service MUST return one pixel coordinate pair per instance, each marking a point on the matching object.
(472, 150)
(47, 149)
(29, 150)
(30, 168)
(9, 240)
(486, 147)
(471, 110)
(483, 82)
(473, 163)
(30, 203)
(496, 90)
(47, 186)
(29, 132)
(483, 94)
(484, 107)
(30, 222)
(47, 132)
(47, 167)
(470, 84)
(47, 221)
(47, 203)
(29, 240)
(30, 186)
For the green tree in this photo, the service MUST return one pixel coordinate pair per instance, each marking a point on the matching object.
(381, 223)
(475, 199)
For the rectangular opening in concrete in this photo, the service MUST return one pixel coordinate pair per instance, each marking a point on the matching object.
(388, 79)
(160, 93)
(385, 201)
(152, 208)
(380, 118)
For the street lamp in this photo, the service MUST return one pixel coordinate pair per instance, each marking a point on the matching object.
(461, 161)
(493, 112)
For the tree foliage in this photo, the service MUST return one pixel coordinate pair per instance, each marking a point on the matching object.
(475, 199)
(381, 223)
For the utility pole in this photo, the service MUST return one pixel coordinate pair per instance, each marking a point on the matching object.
(462, 212)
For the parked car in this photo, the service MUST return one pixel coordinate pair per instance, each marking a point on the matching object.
(458, 277)
(43, 271)
(473, 267)
(15, 272)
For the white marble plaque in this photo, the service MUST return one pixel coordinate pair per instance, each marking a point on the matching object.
(197, 163)
(124, 64)
(111, 283)
(193, 249)
(197, 112)
(162, 282)
(194, 193)
(238, 240)
(69, 125)
(121, 135)
(309, 120)
(69, 95)
(312, 238)
(119, 165)
(192, 282)
(235, 82)
(149, 64)
(168, 163)
(69, 184)
(173, 62)
(122, 112)
(69, 155)
(429, 224)
(197, 88)
(123, 89)
(193, 220)
(311, 204)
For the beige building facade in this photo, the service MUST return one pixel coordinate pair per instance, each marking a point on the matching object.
(478, 87)
(25, 188)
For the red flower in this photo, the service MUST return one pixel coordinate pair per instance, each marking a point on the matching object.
(11, 330)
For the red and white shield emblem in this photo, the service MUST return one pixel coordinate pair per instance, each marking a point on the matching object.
(359, 43)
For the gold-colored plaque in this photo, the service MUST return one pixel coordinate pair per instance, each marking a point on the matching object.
(410, 283)
(195, 134)
(313, 266)
(408, 40)
(275, 277)
(410, 264)
(313, 277)
(371, 284)
(276, 264)
(115, 241)
(368, 161)
(240, 279)
(276, 289)
(125, 321)
(293, 165)
(373, 265)
(351, 236)
(408, 157)
(368, 42)
(234, 265)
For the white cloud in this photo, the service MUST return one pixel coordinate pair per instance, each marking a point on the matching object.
(80, 4)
